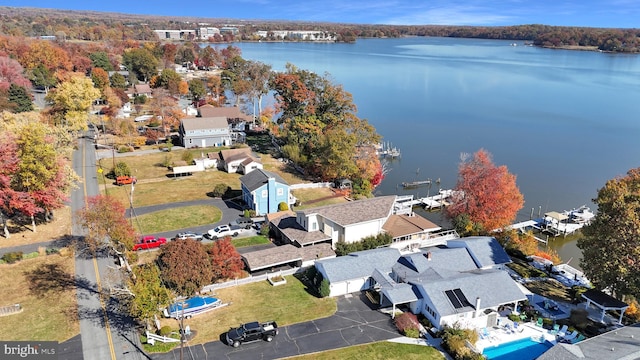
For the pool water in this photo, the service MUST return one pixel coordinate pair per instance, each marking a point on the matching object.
(523, 349)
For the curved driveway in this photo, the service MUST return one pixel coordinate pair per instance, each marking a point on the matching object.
(354, 323)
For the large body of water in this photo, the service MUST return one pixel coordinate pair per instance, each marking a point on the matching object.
(563, 121)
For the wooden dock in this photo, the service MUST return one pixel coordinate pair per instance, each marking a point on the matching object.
(429, 203)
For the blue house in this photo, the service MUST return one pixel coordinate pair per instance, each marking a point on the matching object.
(263, 190)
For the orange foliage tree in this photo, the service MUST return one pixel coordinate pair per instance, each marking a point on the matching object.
(225, 260)
(185, 266)
(485, 193)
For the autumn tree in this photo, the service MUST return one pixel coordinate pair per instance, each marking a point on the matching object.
(42, 177)
(100, 78)
(11, 72)
(118, 81)
(486, 193)
(8, 166)
(100, 59)
(141, 62)
(185, 266)
(72, 100)
(225, 260)
(611, 243)
(150, 294)
(104, 218)
(322, 131)
(197, 89)
(169, 79)
(166, 108)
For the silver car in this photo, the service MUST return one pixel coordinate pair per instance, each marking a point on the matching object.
(188, 235)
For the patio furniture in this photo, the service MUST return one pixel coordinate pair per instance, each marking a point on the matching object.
(569, 338)
(578, 339)
(555, 330)
(563, 331)
(540, 322)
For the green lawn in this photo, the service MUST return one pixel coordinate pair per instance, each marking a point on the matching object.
(287, 304)
(177, 218)
(249, 241)
(383, 350)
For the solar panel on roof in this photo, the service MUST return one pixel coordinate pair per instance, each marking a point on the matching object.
(454, 300)
(461, 297)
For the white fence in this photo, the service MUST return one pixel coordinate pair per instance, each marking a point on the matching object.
(311, 185)
(248, 280)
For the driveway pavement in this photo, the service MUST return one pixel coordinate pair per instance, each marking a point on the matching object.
(354, 323)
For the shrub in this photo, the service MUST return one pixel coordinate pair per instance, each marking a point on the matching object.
(12, 257)
(31, 255)
(246, 213)
(264, 229)
(454, 341)
(124, 149)
(165, 330)
(283, 206)
(50, 251)
(407, 321)
(412, 333)
(167, 161)
(220, 190)
(324, 290)
(187, 156)
(122, 169)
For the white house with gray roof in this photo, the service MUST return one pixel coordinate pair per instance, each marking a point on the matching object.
(204, 132)
(463, 283)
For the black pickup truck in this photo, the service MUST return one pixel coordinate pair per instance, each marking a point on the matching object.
(252, 331)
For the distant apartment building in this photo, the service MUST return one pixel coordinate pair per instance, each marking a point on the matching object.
(308, 35)
(206, 32)
(176, 34)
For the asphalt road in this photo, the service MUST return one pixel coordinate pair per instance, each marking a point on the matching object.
(354, 323)
(105, 332)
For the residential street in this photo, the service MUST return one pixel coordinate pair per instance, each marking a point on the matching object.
(104, 331)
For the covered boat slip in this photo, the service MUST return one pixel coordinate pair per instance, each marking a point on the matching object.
(192, 306)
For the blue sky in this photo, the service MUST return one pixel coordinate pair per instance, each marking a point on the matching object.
(592, 13)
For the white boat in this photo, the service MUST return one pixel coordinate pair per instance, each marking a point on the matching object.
(192, 306)
(581, 215)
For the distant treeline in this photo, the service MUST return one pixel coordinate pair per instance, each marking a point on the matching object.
(96, 26)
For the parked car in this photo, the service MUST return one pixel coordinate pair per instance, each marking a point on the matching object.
(244, 222)
(188, 235)
(149, 242)
(221, 231)
(252, 331)
(123, 180)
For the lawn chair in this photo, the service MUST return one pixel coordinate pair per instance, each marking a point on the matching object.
(569, 338)
(555, 330)
(563, 331)
(540, 322)
(578, 339)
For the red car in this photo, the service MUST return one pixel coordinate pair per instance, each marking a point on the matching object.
(149, 242)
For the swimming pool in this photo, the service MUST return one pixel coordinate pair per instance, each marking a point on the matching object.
(523, 349)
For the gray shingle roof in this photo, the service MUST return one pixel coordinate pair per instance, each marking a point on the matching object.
(261, 259)
(486, 250)
(355, 212)
(445, 263)
(204, 123)
(400, 294)
(493, 287)
(259, 177)
(623, 343)
(359, 264)
(295, 232)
